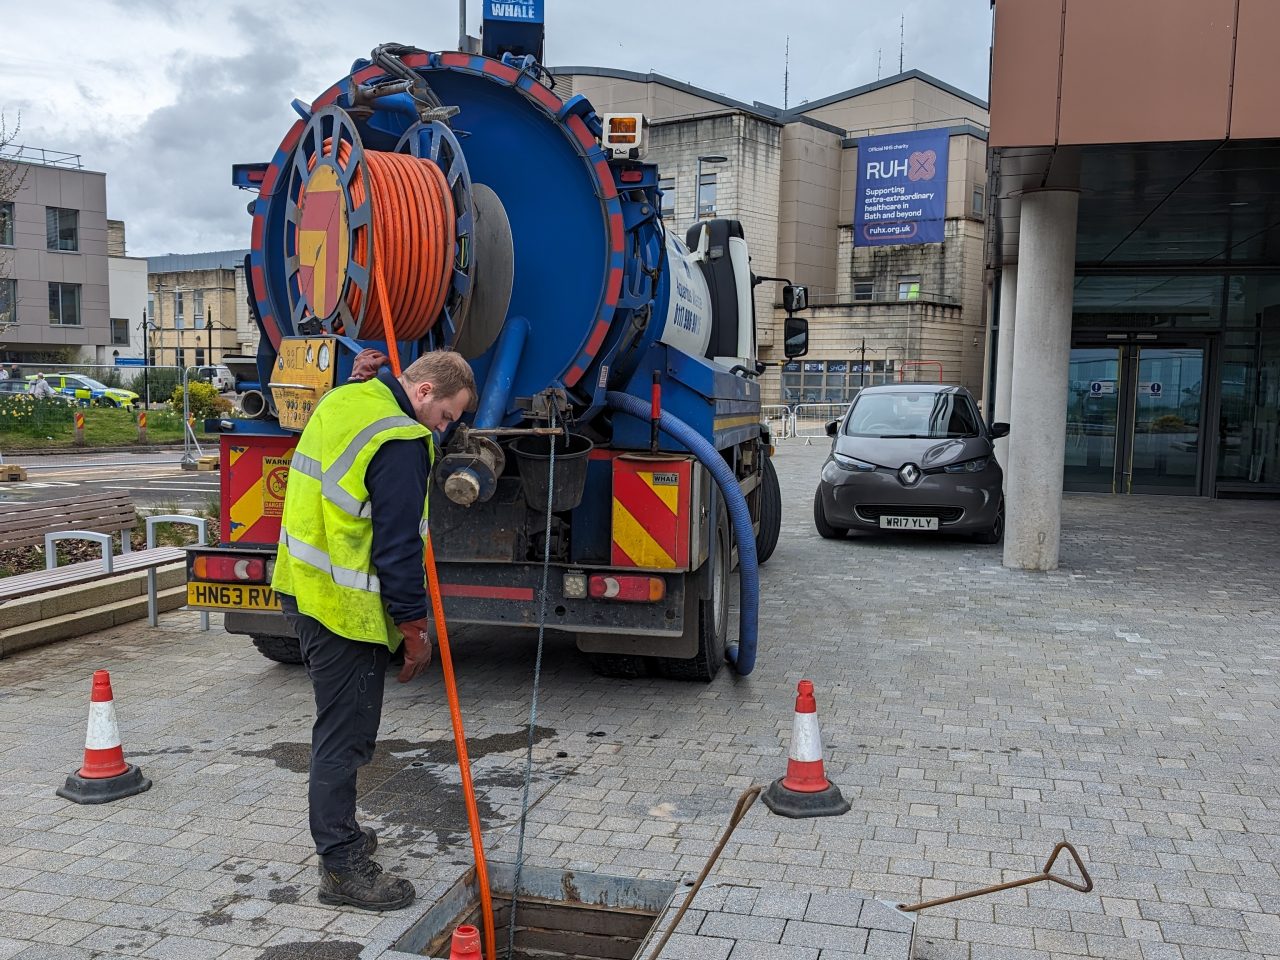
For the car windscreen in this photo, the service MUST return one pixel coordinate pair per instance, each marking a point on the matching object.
(89, 382)
(927, 415)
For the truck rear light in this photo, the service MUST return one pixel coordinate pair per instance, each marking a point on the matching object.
(230, 569)
(575, 586)
(629, 588)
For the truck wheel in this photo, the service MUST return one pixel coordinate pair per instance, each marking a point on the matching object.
(279, 649)
(825, 530)
(706, 609)
(770, 512)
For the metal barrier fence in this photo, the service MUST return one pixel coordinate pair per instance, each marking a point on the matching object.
(809, 420)
(89, 378)
(777, 416)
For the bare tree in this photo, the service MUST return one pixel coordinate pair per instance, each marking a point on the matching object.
(12, 176)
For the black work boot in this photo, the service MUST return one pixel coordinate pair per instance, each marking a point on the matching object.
(366, 886)
(370, 841)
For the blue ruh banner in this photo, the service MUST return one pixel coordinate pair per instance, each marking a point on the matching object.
(517, 11)
(902, 188)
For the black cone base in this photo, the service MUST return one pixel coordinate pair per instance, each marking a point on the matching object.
(789, 803)
(80, 789)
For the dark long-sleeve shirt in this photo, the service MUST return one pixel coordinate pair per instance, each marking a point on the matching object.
(397, 479)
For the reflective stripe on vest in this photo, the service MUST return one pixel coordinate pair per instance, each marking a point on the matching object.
(317, 558)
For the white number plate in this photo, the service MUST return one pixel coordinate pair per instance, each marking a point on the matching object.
(908, 523)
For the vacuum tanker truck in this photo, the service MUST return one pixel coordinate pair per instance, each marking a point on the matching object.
(616, 454)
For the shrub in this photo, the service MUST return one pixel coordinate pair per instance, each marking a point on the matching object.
(203, 400)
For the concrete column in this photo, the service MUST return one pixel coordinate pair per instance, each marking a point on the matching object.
(1004, 357)
(1041, 356)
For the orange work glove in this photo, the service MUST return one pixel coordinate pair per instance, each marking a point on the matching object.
(417, 648)
(366, 365)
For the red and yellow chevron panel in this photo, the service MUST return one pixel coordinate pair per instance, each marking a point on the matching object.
(255, 471)
(651, 512)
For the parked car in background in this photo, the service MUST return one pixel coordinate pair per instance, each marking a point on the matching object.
(90, 391)
(912, 457)
(18, 387)
(219, 375)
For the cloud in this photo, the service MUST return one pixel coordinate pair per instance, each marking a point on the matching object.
(164, 97)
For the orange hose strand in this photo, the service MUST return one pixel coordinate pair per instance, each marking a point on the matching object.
(450, 683)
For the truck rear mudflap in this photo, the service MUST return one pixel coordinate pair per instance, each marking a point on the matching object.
(237, 581)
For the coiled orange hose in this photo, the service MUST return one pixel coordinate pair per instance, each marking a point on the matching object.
(412, 219)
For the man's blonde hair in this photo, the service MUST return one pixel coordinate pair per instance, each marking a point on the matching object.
(448, 373)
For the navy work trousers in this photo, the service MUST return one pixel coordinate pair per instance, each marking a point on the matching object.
(347, 676)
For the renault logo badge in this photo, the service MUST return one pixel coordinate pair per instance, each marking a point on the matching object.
(909, 475)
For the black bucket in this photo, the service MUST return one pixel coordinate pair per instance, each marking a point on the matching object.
(532, 455)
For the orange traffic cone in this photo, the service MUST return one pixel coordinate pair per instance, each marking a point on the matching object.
(105, 776)
(805, 791)
(466, 943)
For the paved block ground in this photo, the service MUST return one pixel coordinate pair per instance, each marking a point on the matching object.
(973, 715)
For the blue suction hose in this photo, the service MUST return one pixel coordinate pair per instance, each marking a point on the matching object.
(743, 653)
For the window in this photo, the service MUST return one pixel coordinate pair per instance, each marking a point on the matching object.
(909, 288)
(977, 201)
(199, 356)
(8, 300)
(863, 289)
(197, 308)
(178, 320)
(62, 228)
(6, 224)
(151, 356)
(64, 304)
(668, 187)
(119, 331)
(151, 307)
(707, 196)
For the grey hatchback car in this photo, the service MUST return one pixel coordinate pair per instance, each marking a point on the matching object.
(912, 457)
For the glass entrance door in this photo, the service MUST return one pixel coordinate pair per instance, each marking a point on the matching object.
(1134, 419)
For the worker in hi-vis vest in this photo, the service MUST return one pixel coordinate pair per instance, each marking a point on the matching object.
(349, 572)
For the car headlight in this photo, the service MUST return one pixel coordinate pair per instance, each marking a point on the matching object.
(850, 463)
(968, 466)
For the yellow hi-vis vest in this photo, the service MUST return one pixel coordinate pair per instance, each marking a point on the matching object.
(324, 559)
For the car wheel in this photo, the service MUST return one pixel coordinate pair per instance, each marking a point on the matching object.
(825, 530)
(994, 533)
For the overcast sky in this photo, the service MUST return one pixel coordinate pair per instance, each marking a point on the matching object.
(164, 95)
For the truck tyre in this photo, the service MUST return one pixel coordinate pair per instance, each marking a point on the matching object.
(825, 530)
(770, 512)
(706, 609)
(279, 649)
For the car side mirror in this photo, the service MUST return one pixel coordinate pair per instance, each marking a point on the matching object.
(999, 430)
(833, 427)
(795, 336)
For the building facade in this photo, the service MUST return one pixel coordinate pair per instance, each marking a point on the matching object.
(1137, 244)
(54, 277)
(790, 177)
(197, 308)
(127, 297)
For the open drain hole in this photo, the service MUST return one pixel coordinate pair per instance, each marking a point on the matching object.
(569, 915)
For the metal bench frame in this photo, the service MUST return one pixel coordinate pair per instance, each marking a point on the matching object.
(104, 540)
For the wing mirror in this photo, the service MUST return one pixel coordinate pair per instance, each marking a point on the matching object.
(795, 336)
(833, 427)
(999, 430)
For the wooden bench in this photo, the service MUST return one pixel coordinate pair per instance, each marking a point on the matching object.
(28, 524)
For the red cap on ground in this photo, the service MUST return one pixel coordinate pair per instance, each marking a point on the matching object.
(466, 943)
